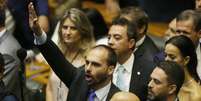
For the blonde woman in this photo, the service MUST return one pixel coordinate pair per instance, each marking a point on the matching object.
(75, 37)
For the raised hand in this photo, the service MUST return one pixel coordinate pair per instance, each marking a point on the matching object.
(33, 20)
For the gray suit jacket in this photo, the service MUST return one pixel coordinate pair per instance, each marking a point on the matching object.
(8, 47)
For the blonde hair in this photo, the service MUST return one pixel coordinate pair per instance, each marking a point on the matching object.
(82, 24)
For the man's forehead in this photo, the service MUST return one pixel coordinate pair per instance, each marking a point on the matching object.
(97, 53)
(158, 73)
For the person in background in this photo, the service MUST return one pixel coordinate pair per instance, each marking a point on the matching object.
(171, 31)
(131, 72)
(9, 46)
(5, 95)
(165, 82)
(158, 10)
(198, 4)
(188, 23)
(19, 11)
(58, 8)
(124, 96)
(75, 34)
(100, 28)
(143, 43)
(181, 50)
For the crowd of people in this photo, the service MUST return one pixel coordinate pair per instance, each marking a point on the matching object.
(93, 61)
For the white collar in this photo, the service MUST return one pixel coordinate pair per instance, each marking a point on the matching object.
(103, 92)
(198, 51)
(2, 32)
(138, 43)
(128, 65)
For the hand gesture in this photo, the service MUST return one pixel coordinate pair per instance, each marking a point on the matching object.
(33, 20)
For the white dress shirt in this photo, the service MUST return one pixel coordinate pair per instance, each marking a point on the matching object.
(101, 94)
(138, 43)
(2, 32)
(198, 52)
(128, 65)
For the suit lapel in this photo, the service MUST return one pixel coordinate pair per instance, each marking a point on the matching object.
(136, 74)
(112, 91)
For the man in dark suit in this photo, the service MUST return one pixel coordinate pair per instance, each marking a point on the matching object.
(92, 81)
(144, 44)
(134, 76)
(166, 81)
(96, 74)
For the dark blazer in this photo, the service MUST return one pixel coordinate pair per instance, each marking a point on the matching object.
(142, 68)
(74, 78)
(19, 11)
(148, 49)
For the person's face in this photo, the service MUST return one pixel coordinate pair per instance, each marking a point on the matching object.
(118, 39)
(97, 70)
(158, 87)
(198, 4)
(186, 28)
(70, 33)
(172, 53)
(171, 29)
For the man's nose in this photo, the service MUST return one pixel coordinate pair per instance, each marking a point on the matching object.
(88, 67)
(150, 84)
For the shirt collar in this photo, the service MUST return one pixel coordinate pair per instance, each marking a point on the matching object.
(138, 43)
(102, 93)
(198, 51)
(128, 65)
(2, 32)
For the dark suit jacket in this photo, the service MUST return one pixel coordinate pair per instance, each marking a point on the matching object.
(142, 68)
(19, 11)
(148, 49)
(73, 78)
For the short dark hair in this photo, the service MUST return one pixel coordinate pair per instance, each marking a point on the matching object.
(174, 72)
(136, 14)
(100, 28)
(2, 63)
(193, 15)
(187, 48)
(131, 27)
(112, 57)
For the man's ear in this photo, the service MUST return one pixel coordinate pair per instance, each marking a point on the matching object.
(141, 30)
(132, 43)
(172, 89)
(111, 69)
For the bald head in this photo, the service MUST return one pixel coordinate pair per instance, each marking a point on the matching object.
(124, 96)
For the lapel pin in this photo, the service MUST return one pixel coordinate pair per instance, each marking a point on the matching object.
(138, 73)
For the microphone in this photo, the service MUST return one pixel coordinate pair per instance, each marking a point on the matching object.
(21, 54)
